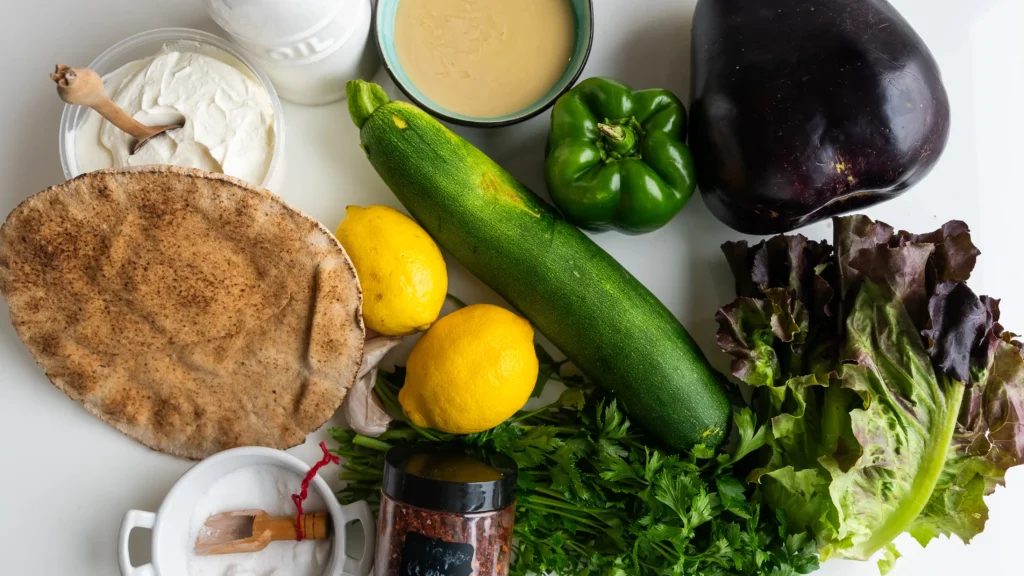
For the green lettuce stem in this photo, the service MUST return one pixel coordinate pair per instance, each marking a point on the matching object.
(932, 463)
(834, 413)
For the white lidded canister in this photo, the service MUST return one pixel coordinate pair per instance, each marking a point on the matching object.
(309, 48)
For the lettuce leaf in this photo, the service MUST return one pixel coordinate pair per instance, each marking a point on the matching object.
(988, 440)
(901, 432)
(894, 399)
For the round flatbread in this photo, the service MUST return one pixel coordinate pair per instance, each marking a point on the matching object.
(191, 311)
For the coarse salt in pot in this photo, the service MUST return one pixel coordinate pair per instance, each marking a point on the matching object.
(445, 510)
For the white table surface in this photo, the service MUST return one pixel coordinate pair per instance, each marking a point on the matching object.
(67, 478)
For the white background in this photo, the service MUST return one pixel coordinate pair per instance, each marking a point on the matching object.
(67, 478)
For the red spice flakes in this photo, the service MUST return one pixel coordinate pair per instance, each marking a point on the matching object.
(458, 544)
(445, 512)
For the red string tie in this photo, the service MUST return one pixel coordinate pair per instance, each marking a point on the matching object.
(298, 498)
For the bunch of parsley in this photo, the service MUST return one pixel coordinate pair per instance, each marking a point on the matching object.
(599, 497)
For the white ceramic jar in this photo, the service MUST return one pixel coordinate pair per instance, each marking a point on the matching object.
(170, 524)
(309, 48)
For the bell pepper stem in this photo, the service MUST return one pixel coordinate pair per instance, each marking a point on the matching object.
(613, 133)
(619, 140)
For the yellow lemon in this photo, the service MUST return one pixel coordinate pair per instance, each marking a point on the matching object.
(471, 371)
(399, 266)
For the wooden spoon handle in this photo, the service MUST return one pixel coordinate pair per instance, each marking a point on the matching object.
(315, 526)
(118, 117)
(83, 86)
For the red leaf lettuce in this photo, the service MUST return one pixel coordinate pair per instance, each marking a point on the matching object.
(894, 397)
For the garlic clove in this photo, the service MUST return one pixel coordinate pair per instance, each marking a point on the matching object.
(362, 408)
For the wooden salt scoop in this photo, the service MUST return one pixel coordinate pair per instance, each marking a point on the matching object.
(83, 86)
(252, 530)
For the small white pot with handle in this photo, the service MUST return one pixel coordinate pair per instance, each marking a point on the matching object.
(170, 524)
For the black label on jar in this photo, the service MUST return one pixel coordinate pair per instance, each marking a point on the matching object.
(425, 556)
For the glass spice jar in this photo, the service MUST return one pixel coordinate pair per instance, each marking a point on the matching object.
(445, 511)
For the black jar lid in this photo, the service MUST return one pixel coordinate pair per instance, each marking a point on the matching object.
(447, 478)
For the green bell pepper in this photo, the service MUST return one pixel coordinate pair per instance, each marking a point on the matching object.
(618, 158)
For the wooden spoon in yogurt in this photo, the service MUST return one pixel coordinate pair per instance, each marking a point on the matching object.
(83, 86)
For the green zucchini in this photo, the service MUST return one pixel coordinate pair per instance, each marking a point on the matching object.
(601, 317)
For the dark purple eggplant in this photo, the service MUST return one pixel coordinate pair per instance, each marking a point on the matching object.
(805, 109)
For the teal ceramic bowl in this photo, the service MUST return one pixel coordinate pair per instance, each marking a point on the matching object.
(384, 19)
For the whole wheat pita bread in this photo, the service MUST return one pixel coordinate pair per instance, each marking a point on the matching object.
(191, 311)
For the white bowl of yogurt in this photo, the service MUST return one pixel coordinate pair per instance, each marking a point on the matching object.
(242, 479)
(234, 122)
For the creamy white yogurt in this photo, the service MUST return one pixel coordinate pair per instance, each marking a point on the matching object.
(229, 118)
